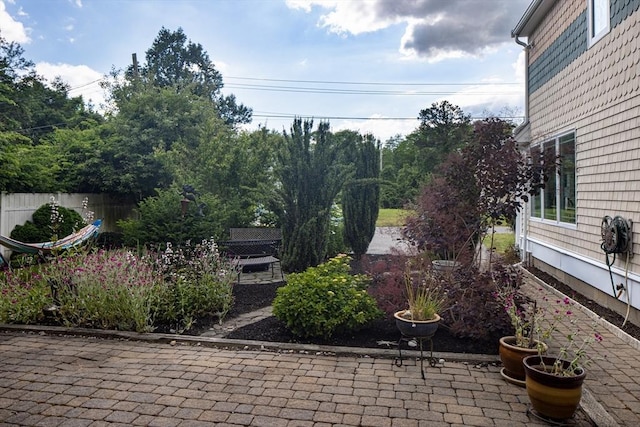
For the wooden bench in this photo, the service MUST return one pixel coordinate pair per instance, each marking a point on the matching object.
(254, 249)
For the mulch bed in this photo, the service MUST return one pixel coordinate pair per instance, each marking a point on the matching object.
(381, 333)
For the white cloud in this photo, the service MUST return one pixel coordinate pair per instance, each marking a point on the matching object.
(82, 80)
(12, 30)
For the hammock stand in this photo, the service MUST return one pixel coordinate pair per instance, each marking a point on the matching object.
(46, 248)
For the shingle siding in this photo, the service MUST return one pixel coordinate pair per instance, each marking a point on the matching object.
(553, 56)
(596, 92)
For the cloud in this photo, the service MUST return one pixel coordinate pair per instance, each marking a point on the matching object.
(12, 30)
(82, 80)
(435, 29)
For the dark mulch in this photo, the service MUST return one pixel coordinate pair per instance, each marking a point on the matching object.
(380, 334)
(607, 314)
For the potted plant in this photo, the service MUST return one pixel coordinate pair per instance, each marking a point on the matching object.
(425, 299)
(525, 317)
(554, 383)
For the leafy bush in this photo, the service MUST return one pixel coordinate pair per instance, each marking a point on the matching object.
(325, 299)
(475, 311)
(49, 223)
(200, 284)
(23, 296)
(388, 284)
(119, 290)
(103, 290)
(160, 220)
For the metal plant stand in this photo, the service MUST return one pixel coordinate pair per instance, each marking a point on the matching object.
(420, 341)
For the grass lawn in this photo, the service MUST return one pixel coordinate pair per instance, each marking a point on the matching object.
(392, 217)
(501, 241)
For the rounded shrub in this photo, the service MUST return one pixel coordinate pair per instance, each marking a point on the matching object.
(325, 299)
(42, 228)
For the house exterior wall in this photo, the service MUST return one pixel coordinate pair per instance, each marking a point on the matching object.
(595, 92)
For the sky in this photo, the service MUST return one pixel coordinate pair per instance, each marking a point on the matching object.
(365, 65)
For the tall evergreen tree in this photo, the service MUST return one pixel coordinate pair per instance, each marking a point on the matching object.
(361, 195)
(311, 171)
(173, 61)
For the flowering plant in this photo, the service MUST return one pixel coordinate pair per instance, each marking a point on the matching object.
(572, 351)
(523, 313)
(538, 323)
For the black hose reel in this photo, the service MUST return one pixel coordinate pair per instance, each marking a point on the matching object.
(616, 239)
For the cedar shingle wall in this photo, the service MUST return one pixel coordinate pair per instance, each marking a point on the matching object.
(598, 95)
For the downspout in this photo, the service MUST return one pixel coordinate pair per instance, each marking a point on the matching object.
(524, 257)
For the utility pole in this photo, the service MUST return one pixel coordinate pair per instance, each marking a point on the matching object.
(134, 58)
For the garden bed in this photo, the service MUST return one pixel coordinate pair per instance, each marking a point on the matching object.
(381, 333)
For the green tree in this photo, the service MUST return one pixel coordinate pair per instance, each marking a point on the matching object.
(311, 172)
(172, 61)
(361, 194)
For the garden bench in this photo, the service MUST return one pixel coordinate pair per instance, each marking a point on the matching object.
(254, 248)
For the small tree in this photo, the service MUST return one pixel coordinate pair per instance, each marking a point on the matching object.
(311, 171)
(486, 181)
(361, 195)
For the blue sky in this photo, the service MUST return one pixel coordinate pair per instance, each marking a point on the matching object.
(366, 65)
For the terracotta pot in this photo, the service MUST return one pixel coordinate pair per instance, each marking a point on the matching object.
(552, 396)
(512, 355)
(423, 329)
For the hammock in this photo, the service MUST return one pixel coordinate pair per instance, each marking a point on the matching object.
(68, 242)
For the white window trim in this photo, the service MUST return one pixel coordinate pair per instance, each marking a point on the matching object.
(541, 218)
(594, 38)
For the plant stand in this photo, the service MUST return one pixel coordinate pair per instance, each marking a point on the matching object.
(420, 341)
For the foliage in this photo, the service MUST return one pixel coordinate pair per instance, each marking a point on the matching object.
(160, 220)
(102, 290)
(424, 293)
(235, 168)
(117, 289)
(484, 182)
(387, 281)
(336, 244)
(522, 311)
(172, 62)
(50, 222)
(23, 296)
(324, 300)
(311, 172)
(200, 284)
(446, 221)
(444, 127)
(572, 347)
(361, 195)
(473, 309)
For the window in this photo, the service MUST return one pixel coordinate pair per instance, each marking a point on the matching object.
(598, 11)
(567, 177)
(536, 206)
(557, 201)
(549, 192)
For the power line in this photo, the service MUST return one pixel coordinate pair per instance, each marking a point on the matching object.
(338, 82)
(333, 91)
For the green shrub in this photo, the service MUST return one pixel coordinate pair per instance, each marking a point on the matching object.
(23, 296)
(119, 290)
(160, 220)
(199, 284)
(45, 228)
(325, 299)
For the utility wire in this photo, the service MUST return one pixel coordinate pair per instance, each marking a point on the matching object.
(338, 82)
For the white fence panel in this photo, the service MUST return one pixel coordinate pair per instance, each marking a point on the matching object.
(17, 208)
